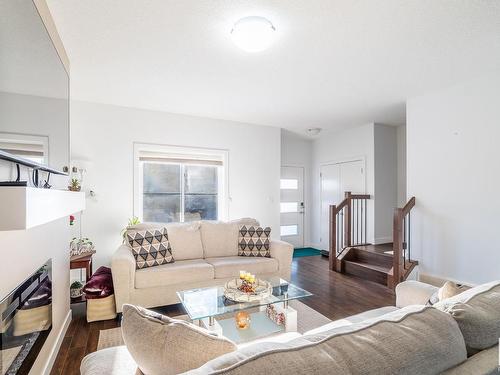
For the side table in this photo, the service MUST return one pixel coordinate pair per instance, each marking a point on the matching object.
(83, 262)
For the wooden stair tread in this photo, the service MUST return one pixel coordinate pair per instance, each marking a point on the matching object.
(370, 266)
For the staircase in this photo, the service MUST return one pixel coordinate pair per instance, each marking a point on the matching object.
(387, 264)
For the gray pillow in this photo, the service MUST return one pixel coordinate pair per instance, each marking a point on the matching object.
(477, 312)
(162, 345)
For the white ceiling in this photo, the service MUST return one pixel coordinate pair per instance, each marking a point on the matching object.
(336, 63)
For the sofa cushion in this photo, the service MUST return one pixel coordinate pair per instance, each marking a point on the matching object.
(161, 345)
(150, 247)
(231, 266)
(414, 340)
(477, 312)
(219, 239)
(361, 317)
(185, 240)
(254, 241)
(484, 362)
(182, 271)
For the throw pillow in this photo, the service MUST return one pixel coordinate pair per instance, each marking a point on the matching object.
(477, 312)
(100, 284)
(162, 345)
(150, 247)
(253, 241)
(449, 289)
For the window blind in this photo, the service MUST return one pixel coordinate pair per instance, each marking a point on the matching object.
(22, 149)
(199, 159)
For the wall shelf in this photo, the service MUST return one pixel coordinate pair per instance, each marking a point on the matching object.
(26, 207)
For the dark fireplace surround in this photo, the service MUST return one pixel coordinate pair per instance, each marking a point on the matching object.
(26, 321)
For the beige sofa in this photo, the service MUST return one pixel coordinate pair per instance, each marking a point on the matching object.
(410, 338)
(205, 253)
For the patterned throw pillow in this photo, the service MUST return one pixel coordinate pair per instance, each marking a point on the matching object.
(254, 241)
(150, 247)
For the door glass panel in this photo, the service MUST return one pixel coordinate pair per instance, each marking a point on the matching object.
(289, 230)
(286, 207)
(289, 183)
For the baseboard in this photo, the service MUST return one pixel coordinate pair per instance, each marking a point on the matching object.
(57, 346)
(382, 240)
(314, 245)
(439, 280)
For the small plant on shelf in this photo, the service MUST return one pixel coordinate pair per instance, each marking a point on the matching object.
(75, 290)
(75, 185)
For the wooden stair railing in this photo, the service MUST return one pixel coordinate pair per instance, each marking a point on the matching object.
(403, 264)
(348, 226)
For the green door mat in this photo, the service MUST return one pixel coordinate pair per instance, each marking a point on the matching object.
(306, 252)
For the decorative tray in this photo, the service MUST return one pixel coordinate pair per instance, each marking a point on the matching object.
(262, 289)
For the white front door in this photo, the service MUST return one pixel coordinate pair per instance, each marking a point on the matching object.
(336, 179)
(292, 205)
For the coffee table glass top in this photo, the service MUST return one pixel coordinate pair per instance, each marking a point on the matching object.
(210, 302)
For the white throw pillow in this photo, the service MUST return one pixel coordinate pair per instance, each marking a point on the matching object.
(162, 346)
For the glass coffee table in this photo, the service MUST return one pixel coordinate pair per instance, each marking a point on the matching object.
(269, 315)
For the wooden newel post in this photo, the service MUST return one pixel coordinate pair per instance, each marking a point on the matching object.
(397, 246)
(347, 221)
(333, 237)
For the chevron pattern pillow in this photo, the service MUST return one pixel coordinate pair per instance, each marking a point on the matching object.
(150, 247)
(253, 241)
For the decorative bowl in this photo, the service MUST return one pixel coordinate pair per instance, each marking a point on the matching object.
(262, 289)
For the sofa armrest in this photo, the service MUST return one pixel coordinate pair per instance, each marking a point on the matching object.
(283, 252)
(413, 292)
(123, 271)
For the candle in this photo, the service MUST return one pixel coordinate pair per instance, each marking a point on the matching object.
(242, 319)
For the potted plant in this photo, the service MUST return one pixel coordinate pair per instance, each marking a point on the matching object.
(75, 290)
(132, 221)
(75, 185)
(79, 246)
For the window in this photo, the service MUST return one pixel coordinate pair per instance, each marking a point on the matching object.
(34, 148)
(178, 184)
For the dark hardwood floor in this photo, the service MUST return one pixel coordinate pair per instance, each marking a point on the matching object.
(335, 296)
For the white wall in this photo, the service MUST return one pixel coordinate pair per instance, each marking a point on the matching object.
(401, 135)
(386, 181)
(38, 116)
(453, 165)
(333, 147)
(103, 137)
(296, 151)
(23, 252)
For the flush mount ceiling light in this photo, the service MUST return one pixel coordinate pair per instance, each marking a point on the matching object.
(253, 34)
(313, 131)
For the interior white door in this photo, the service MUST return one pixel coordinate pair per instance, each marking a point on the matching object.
(292, 205)
(336, 179)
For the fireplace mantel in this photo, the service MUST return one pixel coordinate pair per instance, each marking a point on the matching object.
(25, 207)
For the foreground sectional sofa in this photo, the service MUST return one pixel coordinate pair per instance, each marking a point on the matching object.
(456, 336)
(205, 253)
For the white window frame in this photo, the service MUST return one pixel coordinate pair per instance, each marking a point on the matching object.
(223, 194)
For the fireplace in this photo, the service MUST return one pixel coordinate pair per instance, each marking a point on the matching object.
(26, 321)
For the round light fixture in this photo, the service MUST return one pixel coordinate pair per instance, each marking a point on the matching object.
(253, 34)
(313, 131)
